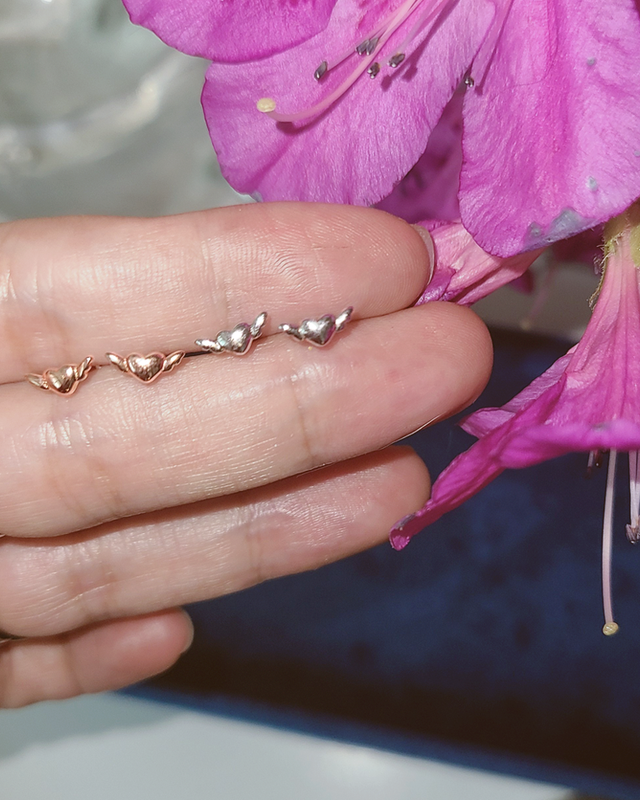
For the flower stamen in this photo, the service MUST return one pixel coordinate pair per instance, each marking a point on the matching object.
(633, 528)
(594, 462)
(610, 627)
(322, 70)
(368, 49)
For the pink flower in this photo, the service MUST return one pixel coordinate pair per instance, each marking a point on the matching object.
(589, 400)
(551, 112)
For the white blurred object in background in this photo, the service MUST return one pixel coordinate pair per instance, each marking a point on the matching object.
(98, 116)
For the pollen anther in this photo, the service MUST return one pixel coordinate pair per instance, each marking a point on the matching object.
(266, 105)
(321, 70)
(396, 60)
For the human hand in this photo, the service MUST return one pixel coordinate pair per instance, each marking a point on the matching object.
(124, 501)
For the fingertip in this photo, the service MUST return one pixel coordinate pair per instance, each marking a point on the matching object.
(189, 631)
(363, 256)
(474, 349)
(117, 653)
(404, 255)
(147, 645)
(414, 481)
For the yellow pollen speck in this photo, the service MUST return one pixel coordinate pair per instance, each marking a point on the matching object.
(610, 628)
(266, 105)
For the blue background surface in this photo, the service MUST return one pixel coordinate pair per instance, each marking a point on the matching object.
(485, 632)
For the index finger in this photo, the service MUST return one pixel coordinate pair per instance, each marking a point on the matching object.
(75, 286)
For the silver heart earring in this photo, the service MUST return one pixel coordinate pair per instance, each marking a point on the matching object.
(320, 331)
(237, 341)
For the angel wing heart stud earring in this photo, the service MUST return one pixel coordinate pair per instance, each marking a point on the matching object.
(320, 331)
(237, 341)
(146, 368)
(65, 379)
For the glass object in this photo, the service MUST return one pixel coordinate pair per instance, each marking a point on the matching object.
(98, 116)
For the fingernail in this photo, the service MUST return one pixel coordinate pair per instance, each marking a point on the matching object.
(190, 632)
(431, 251)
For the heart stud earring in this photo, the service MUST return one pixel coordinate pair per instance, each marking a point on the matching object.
(238, 341)
(146, 368)
(318, 332)
(63, 380)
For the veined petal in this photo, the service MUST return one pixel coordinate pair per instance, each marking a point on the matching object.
(232, 30)
(464, 273)
(552, 134)
(589, 400)
(368, 140)
(482, 422)
(542, 442)
(430, 189)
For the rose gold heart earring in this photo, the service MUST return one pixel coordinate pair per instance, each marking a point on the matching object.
(320, 331)
(147, 368)
(65, 379)
(237, 341)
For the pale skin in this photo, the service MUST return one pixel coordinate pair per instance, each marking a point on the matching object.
(124, 501)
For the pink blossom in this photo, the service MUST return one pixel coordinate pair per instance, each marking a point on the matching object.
(589, 400)
(551, 112)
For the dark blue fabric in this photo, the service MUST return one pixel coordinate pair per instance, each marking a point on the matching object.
(484, 631)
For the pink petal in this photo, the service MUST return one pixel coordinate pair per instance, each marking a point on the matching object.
(368, 140)
(482, 422)
(552, 136)
(232, 30)
(465, 476)
(430, 190)
(588, 400)
(543, 442)
(464, 273)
